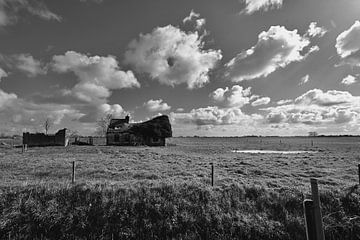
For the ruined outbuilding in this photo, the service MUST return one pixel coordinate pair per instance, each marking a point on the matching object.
(151, 133)
(41, 140)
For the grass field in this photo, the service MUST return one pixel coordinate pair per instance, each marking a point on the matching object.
(165, 192)
(332, 160)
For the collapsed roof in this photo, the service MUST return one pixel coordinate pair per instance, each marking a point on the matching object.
(159, 127)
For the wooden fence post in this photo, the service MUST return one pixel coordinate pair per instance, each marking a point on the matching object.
(312, 143)
(309, 219)
(73, 172)
(359, 172)
(212, 174)
(317, 209)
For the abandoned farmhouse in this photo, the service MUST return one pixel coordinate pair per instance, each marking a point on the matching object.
(150, 133)
(119, 132)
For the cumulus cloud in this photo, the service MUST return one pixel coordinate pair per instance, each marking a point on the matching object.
(315, 31)
(212, 115)
(24, 115)
(2, 74)
(276, 48)
(261, 101)
(304, 79)
(192, 15)
(320, 98)
(6, 99)
(9, 11)
(195, 17)
(156, 105)
(172, 57)
(96, 76)
(265, 5)
(317, 107)
(348, 80)
(27, 64)
(101, 71)
(237, 96)
(348, 42)
(284, 101)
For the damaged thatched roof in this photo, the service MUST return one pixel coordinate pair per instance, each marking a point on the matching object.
(157, 127)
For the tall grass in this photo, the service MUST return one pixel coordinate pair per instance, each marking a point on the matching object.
(169, 211)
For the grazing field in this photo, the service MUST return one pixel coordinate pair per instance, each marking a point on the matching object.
(332, 160)
(165, 192)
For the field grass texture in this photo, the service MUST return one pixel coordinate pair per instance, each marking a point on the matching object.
(169, 211)
(165, 192)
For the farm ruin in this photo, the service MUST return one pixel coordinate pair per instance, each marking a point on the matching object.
(151, 133)
(41, 140)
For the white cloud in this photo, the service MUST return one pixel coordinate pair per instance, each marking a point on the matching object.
(6, 99)
(90, 92)
(316, 107)
(348, 80)
(115, 110)
(200, 23)
(156, 105)
(212, 115)
(97, 76)
(304, 79)
(315, 31)
(2, 74)
(173, 57)
(192, 15)
(276, 48)
(265, 5)
(261, 101)
(23, 115)
(320, 98)
(27, 64)
(9, 10)
(237, 96)
(195, 17)
(348, 42)
(101, 71)
(284, 101)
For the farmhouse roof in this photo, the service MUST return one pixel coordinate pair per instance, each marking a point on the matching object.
(118, 122)
(157, 127)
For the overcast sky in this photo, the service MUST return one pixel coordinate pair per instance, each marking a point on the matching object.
(215, 67)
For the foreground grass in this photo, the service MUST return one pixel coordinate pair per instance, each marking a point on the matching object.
(169, 211)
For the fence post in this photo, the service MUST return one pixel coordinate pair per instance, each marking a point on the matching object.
(309, 219)
(73, 172)
(312, 143)
(212, 174)
(317, 210)
(359, 172)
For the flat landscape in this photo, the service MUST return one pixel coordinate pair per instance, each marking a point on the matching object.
(333, 160)
(166, 192)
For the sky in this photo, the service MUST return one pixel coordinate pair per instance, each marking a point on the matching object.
(215, 67)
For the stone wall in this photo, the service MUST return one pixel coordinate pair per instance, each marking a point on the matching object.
(40, 139)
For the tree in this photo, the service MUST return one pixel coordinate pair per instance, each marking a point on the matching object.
(47, 125)
(102, 124)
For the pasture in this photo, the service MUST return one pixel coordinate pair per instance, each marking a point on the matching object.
(332, 160)
(165, 192)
